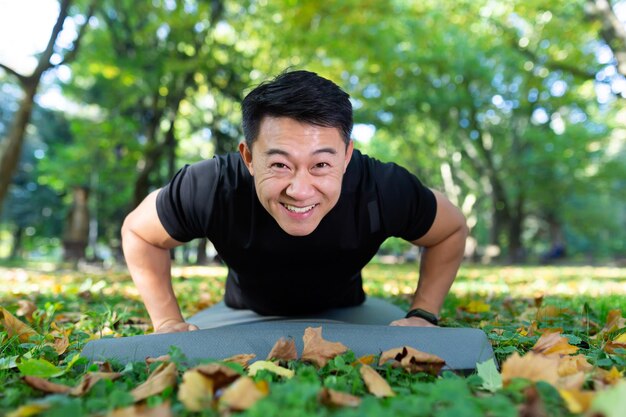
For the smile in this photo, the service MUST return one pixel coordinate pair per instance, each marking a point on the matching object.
(295, 209)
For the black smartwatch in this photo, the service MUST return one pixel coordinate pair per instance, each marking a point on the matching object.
(423, 314)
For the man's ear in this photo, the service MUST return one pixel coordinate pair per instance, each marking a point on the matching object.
(246, 155)
(349, 150)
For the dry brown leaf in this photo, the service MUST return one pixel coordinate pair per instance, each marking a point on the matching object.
(16, 327)
(242, 359)
(413, 360)
(553, 343)
(142, 410)
(44, 385)
(531, 366)
(26, 308)
(332, 398)
(196, 391)
(85, 384)
(551, 312)
(618, 343)
(317, 350)
(220, 375)
(162, 377)
(614, 321)
(603, 378)
(90, 379)
(241, 395)
(104, 366)
(283, 350)
(61, 344)
(533, 405)
(375, 383)
(163, 358)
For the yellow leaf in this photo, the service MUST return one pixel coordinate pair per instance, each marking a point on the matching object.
(375, 383)
(621, 338)
(269, 366)
(28, 410)
(196, 391)
(476, 306)
(577, 401)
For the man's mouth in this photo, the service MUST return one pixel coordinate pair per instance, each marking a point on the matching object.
(295, 209)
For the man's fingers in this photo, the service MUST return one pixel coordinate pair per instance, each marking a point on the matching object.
(412, 321)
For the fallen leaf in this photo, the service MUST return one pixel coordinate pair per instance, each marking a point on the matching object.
(242, 359)
(164, 376)
(488, 372)
(330, 397)
(89, 380)
(531, 366)
(413, 360)
(553, 343)
(577, 401)
(552, 312)
(477, 306)
(16, 327)
(196, 391)
(240, 395)
(603, 378)
(44, 385)
(614, 321)
(618, 343)
(269, 366)
(220, 375)
(366, 360)
(163, 358)
(29, 410)
(26, 308)
(533, 405)
(570, 365)
(318, 350)
(375, 383)
(284, 349)
(142, 410)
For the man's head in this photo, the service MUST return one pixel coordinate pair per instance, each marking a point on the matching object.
(297, 147)
(300, 95)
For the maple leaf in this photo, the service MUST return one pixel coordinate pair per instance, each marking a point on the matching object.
(317, 350)
(241, 395)
(333, 398)
(413, 360)
(164, 376)
(375, 383)
(15, 327)
(553, 343)
(532, 366)
(284, 349)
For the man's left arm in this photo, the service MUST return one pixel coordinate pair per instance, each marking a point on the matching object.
(443, 249)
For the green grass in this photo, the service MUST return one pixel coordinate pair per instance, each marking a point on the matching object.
(506, 302)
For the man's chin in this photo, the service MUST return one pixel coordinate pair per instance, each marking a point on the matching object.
(299, 229)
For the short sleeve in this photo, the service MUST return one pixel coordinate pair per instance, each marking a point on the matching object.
(408, 206)
(185, 205)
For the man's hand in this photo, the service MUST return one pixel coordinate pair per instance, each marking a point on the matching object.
(412, 321)
(171, 326)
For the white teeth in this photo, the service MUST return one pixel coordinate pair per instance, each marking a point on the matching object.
(298, 209)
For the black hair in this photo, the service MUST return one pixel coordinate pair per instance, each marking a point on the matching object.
(301, 95)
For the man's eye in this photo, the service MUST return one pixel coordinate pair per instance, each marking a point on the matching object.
(278, 165)
(322, 165)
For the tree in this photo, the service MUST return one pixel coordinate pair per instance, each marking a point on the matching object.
(11, 146)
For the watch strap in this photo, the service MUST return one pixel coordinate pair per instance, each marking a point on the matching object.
(423, 314)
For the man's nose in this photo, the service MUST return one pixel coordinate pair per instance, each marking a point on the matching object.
(301, 186)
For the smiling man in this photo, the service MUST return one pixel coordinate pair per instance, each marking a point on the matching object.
(295, 215)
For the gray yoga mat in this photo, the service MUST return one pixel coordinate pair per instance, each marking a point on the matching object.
(461, 348)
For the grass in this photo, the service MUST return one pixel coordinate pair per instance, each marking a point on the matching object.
(511, 304)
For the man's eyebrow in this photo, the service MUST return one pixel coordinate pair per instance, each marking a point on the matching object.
(275, 151)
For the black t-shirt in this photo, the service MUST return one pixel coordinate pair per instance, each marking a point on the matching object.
(272, 272)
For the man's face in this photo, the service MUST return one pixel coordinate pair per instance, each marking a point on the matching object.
(298, 169)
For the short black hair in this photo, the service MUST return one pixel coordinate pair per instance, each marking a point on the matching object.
(301, 95)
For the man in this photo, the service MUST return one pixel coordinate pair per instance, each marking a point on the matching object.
(295, 215)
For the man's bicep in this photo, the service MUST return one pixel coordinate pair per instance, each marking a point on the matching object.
(144, 222)
(448, 220)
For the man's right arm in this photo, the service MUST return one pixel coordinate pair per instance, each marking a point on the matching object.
(146, 246)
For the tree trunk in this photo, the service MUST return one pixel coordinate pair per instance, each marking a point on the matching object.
(517, 253)
(16, 250)
(76, 235)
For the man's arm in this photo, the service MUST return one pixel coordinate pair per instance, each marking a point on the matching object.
(146, 247)
(444, 247)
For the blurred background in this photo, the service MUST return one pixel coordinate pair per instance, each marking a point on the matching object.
(514, 109)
